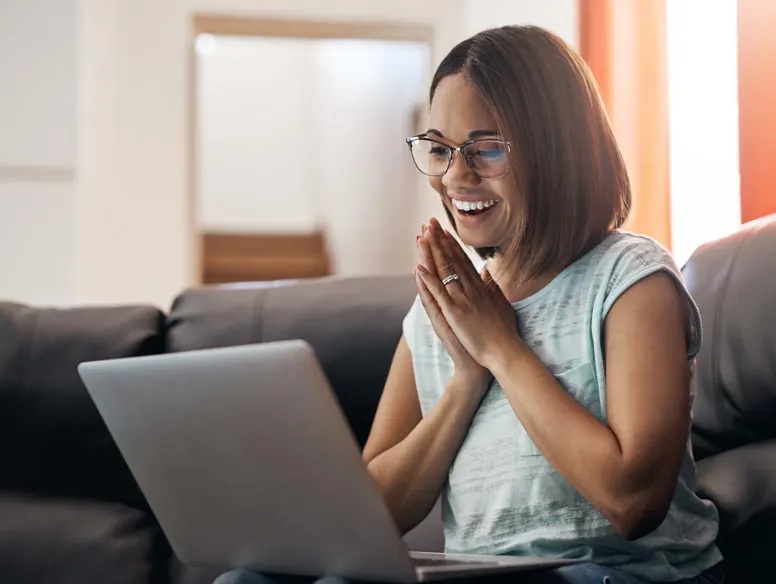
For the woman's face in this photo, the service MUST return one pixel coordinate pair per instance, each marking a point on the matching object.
(457, 115)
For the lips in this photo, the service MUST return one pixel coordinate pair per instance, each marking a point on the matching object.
(472, 207)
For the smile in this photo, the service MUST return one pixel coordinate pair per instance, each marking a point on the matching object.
(473, 207)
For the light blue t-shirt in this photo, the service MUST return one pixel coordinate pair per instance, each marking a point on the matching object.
(502, 495)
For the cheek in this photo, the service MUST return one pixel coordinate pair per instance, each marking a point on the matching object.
(506, 189)
(436, 183)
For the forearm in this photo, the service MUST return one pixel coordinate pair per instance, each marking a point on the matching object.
(411, 474)
(583, 450)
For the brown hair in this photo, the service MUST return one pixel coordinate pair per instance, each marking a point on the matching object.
(569, 171)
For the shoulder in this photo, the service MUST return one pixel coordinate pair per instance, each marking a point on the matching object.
(626, 260)
(623, 253)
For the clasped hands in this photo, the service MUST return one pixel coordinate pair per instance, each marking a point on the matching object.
(470, 314)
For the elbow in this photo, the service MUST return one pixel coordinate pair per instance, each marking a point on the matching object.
(636, 519)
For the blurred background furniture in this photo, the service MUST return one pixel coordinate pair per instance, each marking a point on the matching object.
(72, 513)
(246, 257)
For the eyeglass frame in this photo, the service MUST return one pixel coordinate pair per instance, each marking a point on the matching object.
(453, 149)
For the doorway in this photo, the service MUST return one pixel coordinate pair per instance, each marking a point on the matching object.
(299, 163)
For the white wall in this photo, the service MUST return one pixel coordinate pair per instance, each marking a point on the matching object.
(135, 230)
(132, 227)
(256, 135)
(37, 149)
(559, 16)
(301, 134)
(370, 198)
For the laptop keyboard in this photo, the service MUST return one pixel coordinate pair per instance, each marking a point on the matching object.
(425, 562)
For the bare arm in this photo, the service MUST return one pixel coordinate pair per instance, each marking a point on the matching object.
(628, 469)
(408, 455)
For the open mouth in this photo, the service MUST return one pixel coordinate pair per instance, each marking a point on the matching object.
(474, 207)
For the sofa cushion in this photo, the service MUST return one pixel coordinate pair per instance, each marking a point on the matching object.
(742, 484)
(52, 439)
(733, 280)
(353, 324)
(74, 542)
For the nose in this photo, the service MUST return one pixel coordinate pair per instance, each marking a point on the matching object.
(459, 173)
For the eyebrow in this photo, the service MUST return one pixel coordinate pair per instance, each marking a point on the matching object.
(472, 135)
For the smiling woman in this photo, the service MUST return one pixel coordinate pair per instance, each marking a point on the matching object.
(540, 437)
(524, 394)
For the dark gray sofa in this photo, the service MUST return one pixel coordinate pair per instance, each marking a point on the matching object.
(71, 512)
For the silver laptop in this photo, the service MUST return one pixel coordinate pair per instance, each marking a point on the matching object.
(248, 462)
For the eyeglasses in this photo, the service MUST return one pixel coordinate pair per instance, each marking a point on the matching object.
(487, 157)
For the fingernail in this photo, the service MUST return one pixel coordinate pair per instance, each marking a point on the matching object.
(422, 269)
(423, 228)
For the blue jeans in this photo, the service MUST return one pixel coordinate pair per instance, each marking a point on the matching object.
(576, 574)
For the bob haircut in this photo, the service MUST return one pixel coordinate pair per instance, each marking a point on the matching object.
(570, 175)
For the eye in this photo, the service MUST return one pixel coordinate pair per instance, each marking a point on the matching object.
(488, 158)
(439, 150)
(489, 151)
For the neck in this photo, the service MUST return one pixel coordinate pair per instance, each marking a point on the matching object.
(517, 288)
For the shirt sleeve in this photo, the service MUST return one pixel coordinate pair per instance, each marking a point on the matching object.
(640, 258)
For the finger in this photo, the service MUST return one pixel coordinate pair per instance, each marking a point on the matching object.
(445, 267)
(442, 261)
(437, 290)
(463, 264)
(427, 299)
(424, 251)
(437, 319)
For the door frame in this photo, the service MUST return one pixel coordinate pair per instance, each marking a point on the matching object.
(270, 27)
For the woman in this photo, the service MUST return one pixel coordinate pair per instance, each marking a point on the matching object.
(546, 398)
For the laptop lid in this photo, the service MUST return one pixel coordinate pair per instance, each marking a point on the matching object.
(247, 461)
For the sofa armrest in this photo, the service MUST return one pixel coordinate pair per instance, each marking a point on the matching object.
(742, 484)
(74, 542)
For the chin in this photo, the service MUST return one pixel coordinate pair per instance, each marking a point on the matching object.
(476, 240)
(480, 236)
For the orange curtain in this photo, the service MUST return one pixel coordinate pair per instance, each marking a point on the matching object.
(624, 42)
(595, 17)
(757, 115)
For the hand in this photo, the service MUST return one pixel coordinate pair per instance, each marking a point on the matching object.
(469, 375)
(473, 307)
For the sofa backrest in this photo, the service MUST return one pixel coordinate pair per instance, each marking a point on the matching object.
(53, 442)
(353, 324)
(733, 280)
(52, 439)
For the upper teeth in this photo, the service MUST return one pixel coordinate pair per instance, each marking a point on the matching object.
(472, 205)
